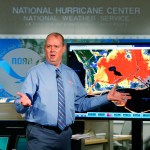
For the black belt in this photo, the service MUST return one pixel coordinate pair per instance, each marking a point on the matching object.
(56, 129)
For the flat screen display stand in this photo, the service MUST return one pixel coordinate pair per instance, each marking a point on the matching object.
(137, 134)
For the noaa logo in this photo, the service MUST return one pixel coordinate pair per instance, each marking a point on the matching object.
(13, 68)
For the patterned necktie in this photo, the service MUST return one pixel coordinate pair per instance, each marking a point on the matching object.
(61, 101)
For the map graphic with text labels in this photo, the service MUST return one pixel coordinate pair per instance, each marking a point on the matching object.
(124, 65)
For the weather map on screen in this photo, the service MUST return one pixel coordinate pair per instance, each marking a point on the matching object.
(128, 66)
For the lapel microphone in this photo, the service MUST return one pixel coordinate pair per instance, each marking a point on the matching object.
(57, 75)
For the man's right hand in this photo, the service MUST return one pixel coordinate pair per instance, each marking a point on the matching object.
(24, 100)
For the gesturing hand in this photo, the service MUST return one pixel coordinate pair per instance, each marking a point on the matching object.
(24, 100)
(118, 97)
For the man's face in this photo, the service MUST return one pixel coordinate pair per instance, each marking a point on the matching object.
(54, 50)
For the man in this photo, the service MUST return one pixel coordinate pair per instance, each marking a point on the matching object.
(40, 95)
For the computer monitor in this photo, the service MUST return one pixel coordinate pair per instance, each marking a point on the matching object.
(21, 142)
(4, 141)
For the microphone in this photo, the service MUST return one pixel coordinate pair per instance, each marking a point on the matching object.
(57, 76)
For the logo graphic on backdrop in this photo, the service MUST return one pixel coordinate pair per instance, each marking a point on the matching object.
(16, 58)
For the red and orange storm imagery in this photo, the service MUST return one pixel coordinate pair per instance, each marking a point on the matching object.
(128, 68)
(123, 66)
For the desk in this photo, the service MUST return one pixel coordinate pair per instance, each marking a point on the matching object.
(94, 141)
(122, 137)
(101, 140)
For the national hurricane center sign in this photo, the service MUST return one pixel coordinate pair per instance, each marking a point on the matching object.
(75, 17)
(73, 14)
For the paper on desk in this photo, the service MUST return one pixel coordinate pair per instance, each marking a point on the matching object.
(100, 135)
(120, 135)
(81, 136)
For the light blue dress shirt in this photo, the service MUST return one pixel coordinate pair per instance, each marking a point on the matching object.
(40, 86)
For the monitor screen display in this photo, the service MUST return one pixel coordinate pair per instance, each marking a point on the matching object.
(101, 66)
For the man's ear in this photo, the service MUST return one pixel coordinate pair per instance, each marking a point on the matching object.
(64, 48)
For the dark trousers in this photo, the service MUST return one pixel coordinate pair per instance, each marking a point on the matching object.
(40, 138)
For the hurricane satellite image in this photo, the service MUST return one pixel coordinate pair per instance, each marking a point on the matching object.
(129, 68)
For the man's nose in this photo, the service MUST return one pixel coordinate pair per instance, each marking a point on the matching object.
(52, 49)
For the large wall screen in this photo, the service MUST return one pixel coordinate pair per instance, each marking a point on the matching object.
(101, 66)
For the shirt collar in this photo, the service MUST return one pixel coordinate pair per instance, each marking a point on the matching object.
(52, 67)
